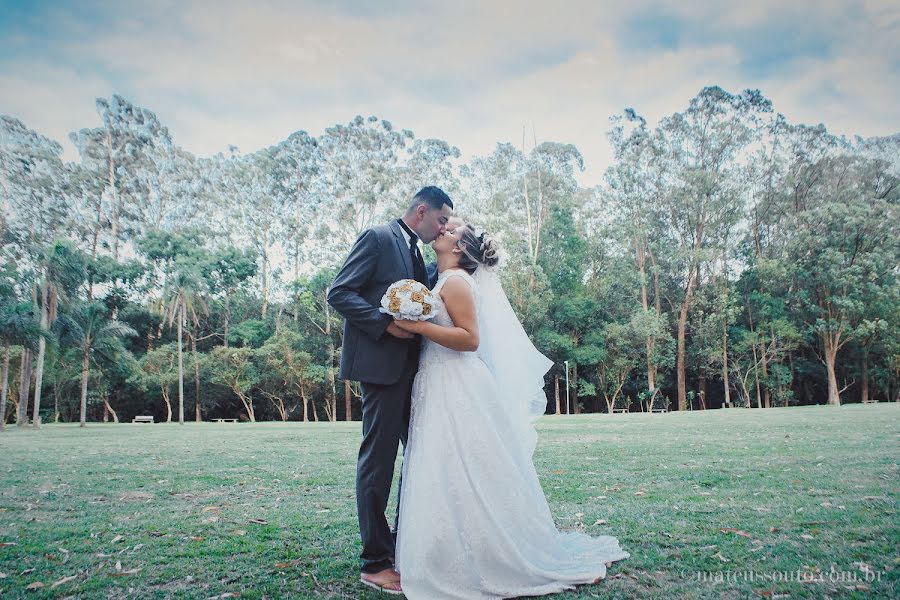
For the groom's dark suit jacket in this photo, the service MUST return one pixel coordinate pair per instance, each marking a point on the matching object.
(379, 257)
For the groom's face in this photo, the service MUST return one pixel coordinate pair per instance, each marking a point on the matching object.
(434, 222)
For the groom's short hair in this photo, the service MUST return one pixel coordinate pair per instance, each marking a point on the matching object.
(433, 196)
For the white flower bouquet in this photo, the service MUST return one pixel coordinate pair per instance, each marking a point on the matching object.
(409, 300)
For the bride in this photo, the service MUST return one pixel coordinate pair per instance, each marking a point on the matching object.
(474, 521)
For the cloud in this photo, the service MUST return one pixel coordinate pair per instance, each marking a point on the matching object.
(472, 73)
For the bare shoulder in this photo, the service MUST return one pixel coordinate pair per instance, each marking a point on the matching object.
(456, 288)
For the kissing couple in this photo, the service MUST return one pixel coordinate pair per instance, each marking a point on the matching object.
(461, 393)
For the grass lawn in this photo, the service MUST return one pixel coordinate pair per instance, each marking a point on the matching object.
(267, 510)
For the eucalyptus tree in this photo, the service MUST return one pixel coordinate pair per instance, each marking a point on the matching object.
(844, 256)
(245, 187)
(357, 185)
(296, 163)
(226, 269)
(312, 296)
(426, 162)
(177, 191)
(117, 152)
(701, 150)
(635, 188)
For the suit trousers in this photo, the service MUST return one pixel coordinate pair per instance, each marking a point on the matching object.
(385, 424)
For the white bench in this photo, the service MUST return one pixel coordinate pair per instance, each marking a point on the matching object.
(659, 410)
(225, 420)
(142, 419)
(870, 401)
(620, 410)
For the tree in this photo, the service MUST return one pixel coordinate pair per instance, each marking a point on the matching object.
(702, 152)
(635, 192)
(292, 368)
(234, 368)
(158, 370)
(117, 152)
(186, 296)
(844, 256)
(90, 327)
(17, 327)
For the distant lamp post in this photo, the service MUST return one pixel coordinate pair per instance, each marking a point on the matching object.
(567, 387)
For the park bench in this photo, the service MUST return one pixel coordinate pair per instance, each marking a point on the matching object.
(142, 419)
(870, 401)
(225, 420)
(659, 410)
(620, 410)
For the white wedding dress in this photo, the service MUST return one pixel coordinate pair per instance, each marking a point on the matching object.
(474, 522)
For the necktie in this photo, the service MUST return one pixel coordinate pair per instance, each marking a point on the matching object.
(417, 260)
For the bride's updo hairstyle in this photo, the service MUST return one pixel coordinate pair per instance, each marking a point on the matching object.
(478, 248)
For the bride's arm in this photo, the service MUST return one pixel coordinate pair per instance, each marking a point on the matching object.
(460, 304)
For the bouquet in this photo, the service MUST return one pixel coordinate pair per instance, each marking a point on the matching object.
(409, 300)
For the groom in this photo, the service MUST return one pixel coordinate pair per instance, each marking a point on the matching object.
(384, 359)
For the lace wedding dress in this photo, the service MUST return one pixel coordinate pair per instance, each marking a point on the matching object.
(474, 522)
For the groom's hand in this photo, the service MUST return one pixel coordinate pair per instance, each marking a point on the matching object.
(398, 333)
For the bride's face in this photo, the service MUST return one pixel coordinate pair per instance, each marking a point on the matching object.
(447, 241)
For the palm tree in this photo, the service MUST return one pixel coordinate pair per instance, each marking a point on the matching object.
(185, 294)
(89, 327)
(17, 327)
(64, 269)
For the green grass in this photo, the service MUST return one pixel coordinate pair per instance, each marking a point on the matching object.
(808, 489)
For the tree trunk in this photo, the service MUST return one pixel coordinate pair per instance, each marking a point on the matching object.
(556, 393)
(168, 401)
(24, 387)
(726, 383)
(657, 305)
(865, 374)
(181, 318)
(831, 348)
(693, 275)
(248, 406)
(756, 377)
(332, 385)
(4, 385)
(227, 317)
(348, 415)
(315, 413)
(701, 393)
(680, 357)
(196, 377)
(645, 304)
(305, 402)
(793, 376)
(85, 364)
(265, 284)
(110, 409)
(575, 407)
(42, 347)
(296, 278)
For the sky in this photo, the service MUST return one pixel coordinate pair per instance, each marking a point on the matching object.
(473, 73)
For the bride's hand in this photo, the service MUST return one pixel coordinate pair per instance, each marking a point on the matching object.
(410, 326)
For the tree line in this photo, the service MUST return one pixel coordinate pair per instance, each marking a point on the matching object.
(728, 258)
